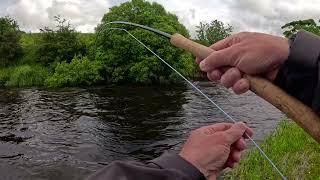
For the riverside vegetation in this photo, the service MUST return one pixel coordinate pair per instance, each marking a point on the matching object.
(62, 57)
(292, 149)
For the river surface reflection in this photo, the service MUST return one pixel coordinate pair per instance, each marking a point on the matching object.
(71, 133)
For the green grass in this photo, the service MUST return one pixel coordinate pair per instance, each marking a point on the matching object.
(23, 76)
(4, 76)
(293, 151)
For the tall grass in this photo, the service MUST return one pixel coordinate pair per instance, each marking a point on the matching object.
(4, 76)
(296, 154)
(23, 76)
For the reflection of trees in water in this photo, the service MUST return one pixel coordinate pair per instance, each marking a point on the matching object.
(137, 117)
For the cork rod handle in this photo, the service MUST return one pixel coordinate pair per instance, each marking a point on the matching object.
(304, 116)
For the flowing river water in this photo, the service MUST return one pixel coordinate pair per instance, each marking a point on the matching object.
(70, 133)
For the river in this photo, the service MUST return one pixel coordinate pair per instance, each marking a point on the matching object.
(70, 133)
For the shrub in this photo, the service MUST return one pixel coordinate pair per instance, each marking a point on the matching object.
(27, 76)
(210, 33)
(129, 62)
(59, 45)
(80, 71)
(29, 43)
(10, 48)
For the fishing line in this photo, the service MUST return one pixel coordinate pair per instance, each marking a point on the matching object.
(209, 99)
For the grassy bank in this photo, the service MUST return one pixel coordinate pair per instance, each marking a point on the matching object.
(296, 154)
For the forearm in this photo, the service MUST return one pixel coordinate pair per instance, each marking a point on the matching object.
(300, 76)
(166, 167)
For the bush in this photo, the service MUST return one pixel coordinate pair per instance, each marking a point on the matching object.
(210, 33)
(10, 48)
(26, 76)
(59, 45)
(129, 62)
(29, 43)
(80, 71)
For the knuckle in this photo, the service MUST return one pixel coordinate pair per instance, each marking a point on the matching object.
(234, 72)
(243, 34)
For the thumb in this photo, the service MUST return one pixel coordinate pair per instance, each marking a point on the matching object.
(235, 132)
(222, 44)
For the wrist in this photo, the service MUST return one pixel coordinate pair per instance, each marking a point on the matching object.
(193, 163)
(283, 57)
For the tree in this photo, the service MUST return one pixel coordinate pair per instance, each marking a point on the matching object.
(10, 48)
(210, 33)
(126, 60)
(294, 26)
(59, 45)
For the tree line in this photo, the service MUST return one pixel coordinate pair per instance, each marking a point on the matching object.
(61, 56)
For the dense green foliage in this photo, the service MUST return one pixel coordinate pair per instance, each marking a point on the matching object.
(112, 56)
(23, 76)
(4, 76)
(64, 57)
(58, 45)
(129, 62)
(294, 26)
(210, 33)
(292, 149)
(29, 43)
(80, 71)
(10, 48)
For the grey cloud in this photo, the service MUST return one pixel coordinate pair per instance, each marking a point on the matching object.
(253, 15)
(35, 14)
(270, 15)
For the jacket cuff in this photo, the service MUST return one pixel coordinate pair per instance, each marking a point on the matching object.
(177, 163)
(305, 49)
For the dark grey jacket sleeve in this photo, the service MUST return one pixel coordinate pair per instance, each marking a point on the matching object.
(300, 76)
(166, 167)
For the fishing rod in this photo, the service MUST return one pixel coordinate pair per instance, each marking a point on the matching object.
(301, 114)
(207, 97)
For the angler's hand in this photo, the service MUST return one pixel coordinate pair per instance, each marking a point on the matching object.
(249, 53)
(214, 148)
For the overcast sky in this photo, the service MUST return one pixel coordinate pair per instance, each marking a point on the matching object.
(244, 15)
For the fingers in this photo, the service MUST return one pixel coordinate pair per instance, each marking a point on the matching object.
(236, 132)
(230, 129)
(241, 86)
(225, 43)
(248, 132)
(211, 129)
(218, 59)
(240, 144)
(215, 75)
(198, 60)
(219, 46)
(236, 156)
(233, 159)
(230, 77)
